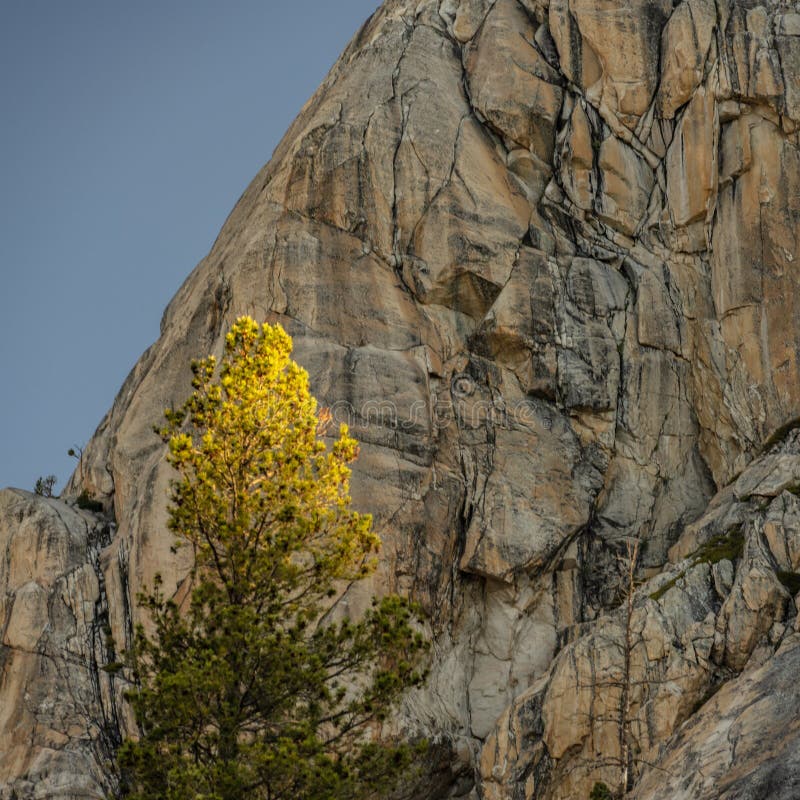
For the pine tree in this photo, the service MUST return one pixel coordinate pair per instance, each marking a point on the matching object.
(250, 692)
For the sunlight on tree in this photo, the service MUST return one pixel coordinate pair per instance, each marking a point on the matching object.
(247, 694)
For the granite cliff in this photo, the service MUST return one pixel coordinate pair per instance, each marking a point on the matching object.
(540, 256)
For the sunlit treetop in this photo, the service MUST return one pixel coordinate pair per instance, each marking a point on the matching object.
(263, 500)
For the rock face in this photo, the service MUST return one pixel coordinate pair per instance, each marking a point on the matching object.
(540, 256)
(719, 621)
(58, 722)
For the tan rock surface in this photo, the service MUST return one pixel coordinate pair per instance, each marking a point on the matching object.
(511, 83)
(541, 257)
(610, 50)
(685, 41)
(742, 744)
(721, 612)
(57, 722)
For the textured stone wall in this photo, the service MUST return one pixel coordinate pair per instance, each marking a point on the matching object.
(541, 258)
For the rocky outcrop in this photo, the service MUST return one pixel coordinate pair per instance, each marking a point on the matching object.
(742, 743)
(540, 256)
(58, 723)
(708, 625)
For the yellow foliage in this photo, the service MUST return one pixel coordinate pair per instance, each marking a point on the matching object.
(264, 502)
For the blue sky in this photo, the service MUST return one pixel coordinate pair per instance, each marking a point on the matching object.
(127, 132)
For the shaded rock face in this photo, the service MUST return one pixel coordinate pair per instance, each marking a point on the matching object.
(540, 257)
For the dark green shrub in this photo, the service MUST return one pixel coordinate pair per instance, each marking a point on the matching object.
(601, 792)
(727, 545)
(88, 503)
(791, 580)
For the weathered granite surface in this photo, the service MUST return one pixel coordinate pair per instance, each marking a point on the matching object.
(540, 256)
(720, 622)
(58, 722)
